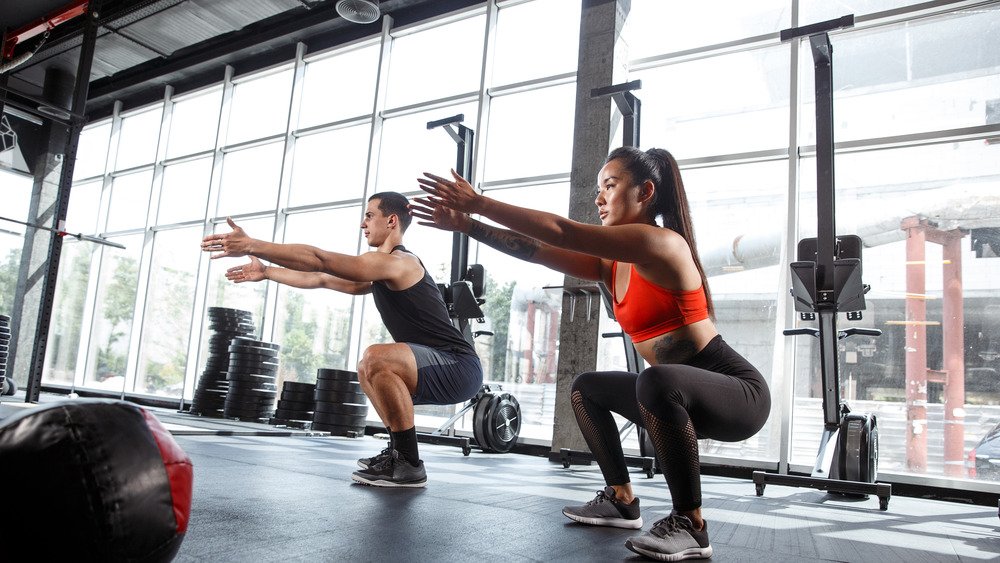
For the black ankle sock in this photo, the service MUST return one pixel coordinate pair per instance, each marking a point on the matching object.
(405, 442)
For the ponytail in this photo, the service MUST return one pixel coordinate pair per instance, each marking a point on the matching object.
(669, 198)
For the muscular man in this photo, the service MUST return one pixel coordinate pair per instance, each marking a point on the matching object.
(430, 361)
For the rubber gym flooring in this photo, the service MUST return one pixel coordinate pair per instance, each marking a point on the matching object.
(263, 493)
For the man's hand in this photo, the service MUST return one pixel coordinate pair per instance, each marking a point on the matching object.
(235, 243)
(252, 272)
(458, 194)
(435, 215)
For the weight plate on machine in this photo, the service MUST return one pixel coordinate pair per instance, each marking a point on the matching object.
(339, 419)
(480, 416)
(336, 375)
(325, 385)
(504, 423)
(857, 448)
(351, 409)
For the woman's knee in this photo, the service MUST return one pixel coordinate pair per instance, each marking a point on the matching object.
(585, 383)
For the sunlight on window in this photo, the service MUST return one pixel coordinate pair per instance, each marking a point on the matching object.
(194, 123)
(247, 120)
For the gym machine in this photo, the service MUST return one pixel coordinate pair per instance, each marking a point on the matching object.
(496, 418)
(826, 280)
(630, 108)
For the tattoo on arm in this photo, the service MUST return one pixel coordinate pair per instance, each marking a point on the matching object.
(508, 242)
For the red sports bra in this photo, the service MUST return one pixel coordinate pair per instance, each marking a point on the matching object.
(648, 310)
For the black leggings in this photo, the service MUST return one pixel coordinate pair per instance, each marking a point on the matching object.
(717, 394)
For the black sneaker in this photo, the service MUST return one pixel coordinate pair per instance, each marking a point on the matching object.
(606, 510)
(366, 462)
(672, 539)
(393, 471)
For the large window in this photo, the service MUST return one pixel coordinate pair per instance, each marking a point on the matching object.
(916, 122)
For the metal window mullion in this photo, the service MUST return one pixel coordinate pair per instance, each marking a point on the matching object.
(208, 225)
(97, 258)
(146, 256)
(284, 186)
(371, 174)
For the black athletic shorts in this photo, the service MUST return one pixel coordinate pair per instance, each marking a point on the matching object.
(445, 378)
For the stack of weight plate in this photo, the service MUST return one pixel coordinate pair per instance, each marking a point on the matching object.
(341, 409)
(253, 371)
(295, 405)
(210, 396)
(4, 347)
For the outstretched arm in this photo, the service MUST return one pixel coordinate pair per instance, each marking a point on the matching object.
(520, 246)
(368, 267)
(256, 271)
(634, 243)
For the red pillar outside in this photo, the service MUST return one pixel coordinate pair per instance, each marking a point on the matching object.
(916, 346)
(954, 357)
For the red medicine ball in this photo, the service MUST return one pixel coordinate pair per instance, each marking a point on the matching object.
(92, 480)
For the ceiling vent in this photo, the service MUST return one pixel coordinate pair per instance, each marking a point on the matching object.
(358, 11)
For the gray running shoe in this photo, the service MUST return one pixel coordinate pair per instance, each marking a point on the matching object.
(393, 471)
(606, 510)
(366, 462)
(672, 539)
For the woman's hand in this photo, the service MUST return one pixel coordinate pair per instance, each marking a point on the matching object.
(458, 194)
(235, 243)
(252, 272)
(436, 215)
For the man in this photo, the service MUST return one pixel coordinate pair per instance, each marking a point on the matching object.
(430, 361)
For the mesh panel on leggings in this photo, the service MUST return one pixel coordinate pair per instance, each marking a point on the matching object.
(615, 473)
(677, 450)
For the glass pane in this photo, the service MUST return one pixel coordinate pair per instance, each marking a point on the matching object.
(224, 293)
(314, 326)
(112, 326)
(656, 27)
(327, 97)
(409, 149)
(184, 194)
(250, 180)
(345, 150)
(260, 107)
(194, 123)
(63, 345)
(929, 298)
(553, 31)
(84, 203)
(17, 198)
(531, 134)
(21, 143)
(929, 75)
(129, 201)
(421, 59)
(729, 205)
(92, 152)
(524, 318)
(167, 322)
(813, 11)
(701, 120)
(138, 138)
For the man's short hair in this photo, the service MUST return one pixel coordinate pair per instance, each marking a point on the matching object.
(394, 203)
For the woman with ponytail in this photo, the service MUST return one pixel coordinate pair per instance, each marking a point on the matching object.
(697, 386)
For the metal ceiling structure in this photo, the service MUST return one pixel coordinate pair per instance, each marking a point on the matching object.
(142, 45)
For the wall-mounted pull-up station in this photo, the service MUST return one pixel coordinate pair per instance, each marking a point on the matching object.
(826, 280)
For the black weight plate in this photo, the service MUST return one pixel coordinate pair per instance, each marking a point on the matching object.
(292, 414)
(336, 375)
(480, 415)
(251, 357)
(356, 395)
(339, 419)
(350, 409)
(324, 385)
(296, 405)
(298, 397)
(242, 341)
(250, 377)
(298, 386)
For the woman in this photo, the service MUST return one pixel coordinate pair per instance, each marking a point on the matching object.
(697, 386)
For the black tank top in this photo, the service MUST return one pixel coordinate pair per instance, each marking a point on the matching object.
(419, 315)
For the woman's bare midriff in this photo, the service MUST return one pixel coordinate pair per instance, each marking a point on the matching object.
(677, 346)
